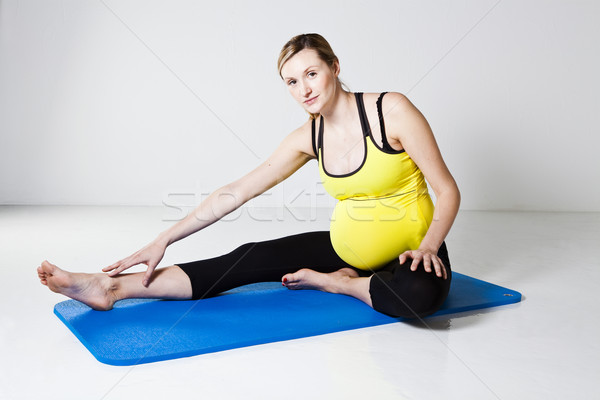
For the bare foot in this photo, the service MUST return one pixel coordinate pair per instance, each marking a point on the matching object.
(95, 290)
(310, 279)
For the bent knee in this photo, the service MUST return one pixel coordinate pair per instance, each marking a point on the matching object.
(407, 307)
(406, 299)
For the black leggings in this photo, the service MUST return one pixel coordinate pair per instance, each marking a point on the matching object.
(395, 289)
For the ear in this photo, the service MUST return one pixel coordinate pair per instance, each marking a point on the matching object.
(336, 68)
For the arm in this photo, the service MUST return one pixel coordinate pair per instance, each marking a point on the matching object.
(406, 124)
(293, 152)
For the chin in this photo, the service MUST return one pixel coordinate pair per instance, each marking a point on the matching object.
(313, 110)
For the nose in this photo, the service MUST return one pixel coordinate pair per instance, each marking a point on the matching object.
(305, 90)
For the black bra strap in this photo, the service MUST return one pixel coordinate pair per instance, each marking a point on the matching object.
(384, 141)
(312, 135)
(364, 122)
(320, 137)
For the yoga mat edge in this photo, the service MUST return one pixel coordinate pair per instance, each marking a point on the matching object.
(142, 331)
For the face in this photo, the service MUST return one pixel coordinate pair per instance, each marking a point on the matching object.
(311, 82)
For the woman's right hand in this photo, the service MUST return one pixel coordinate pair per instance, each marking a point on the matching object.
(149, 255)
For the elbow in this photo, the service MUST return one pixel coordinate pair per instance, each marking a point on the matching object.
(450, 193)
(457, 195)
(233, 195)
(240, 192)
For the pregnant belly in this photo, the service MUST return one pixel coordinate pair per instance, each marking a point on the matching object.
(370, 233)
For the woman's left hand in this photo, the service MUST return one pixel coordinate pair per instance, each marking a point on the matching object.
(428, 258)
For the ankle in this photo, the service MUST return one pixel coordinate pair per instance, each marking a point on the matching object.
(339, 284)
(112, 287)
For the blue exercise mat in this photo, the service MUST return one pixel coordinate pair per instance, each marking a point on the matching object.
(140, 331)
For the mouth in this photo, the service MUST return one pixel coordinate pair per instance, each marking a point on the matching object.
(311, 100)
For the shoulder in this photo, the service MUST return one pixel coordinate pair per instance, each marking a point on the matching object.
(400, 114)
(300, 139)
(395, 102)
(392, 103)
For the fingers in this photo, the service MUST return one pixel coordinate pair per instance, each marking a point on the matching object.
(427, 264)
(121, 266)
(110, 267)
(440, 270)
(413, 255)
(113, 266)
(402, 257)
(430, 262)
(415, 263)
(148, 275)
(150, 255)
(438, 265)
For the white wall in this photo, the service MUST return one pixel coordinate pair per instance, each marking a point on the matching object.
(126, 102)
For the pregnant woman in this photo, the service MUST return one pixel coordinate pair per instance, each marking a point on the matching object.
(386, 242)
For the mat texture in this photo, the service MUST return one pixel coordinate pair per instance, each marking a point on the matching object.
(142, 331)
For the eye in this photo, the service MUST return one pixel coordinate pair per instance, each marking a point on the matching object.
(291, 82)
(311, 74)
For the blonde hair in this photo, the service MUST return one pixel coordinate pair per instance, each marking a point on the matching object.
(312, 41)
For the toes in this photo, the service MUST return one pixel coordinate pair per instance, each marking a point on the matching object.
(47, 267)
(295, 277)
(42, 276)
(50, 269)
(302, 274)
(291, 280)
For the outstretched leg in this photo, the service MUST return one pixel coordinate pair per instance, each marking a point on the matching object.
(266, 261)
(343, 281)
(100, 291)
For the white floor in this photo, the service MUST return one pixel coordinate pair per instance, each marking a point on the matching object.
(546, 347)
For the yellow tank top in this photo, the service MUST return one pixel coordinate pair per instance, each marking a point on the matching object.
(384, 207)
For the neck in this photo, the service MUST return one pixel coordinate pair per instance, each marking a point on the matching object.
(342, 107)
